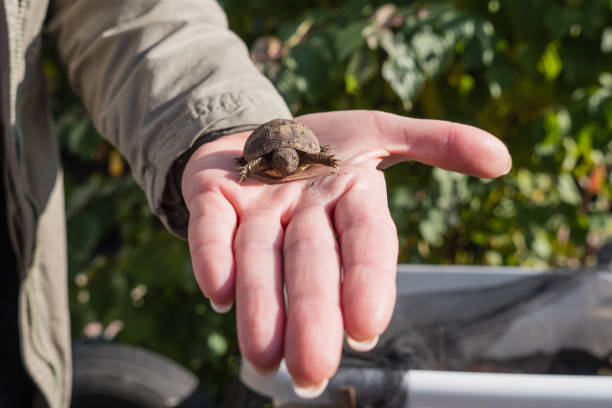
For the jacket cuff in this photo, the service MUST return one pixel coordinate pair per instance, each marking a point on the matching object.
(226, 114)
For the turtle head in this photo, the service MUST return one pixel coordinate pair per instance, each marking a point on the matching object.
(285, 160)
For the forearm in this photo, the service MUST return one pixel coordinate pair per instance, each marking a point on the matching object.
(157, 74)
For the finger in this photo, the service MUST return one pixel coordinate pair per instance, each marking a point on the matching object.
(313, 339)
(449, 145)
(260, 305)
(212, 221)
(368, 242)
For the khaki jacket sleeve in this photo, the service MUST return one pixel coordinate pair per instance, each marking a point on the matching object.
(156, 75)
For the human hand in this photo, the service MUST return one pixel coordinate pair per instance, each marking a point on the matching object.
(251, 241)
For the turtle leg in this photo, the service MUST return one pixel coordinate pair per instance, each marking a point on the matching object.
(323, 157)
(246, 168)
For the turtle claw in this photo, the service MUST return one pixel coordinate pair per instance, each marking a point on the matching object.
(333, 162)
(329, 158)
(243, 172)
(246, 167)
(243, 169)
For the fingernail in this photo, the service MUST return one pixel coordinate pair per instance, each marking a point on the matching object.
(222, 309)
(310, 392)
(509, 165)
(362, 345)
(266, 372)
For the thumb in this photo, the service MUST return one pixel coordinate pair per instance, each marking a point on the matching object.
(451, 146)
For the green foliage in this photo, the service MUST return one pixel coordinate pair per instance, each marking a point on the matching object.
(537, 74)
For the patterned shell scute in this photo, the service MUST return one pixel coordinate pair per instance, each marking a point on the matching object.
(280, 133)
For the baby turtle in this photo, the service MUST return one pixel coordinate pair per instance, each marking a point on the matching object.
(280, 148)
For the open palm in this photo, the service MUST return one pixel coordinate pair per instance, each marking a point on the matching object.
(328, 241)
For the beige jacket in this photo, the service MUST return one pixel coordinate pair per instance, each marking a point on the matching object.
(155, 75)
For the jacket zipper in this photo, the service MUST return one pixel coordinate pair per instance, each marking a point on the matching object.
(32, 317)
(19, 58)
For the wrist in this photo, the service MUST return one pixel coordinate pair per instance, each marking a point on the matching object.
(232, 141)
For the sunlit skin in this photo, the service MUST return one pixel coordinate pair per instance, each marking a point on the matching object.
(250, 240)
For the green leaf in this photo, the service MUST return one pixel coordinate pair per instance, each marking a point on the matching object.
(550, 64)
(541, 245)
(466, 84)
(573, 56)
(430, 52)
(82, 139)
(568, 192)
(493, 258)
(606, 40)
(349, 39)
(217, 344)
(400, 70)
(503, 74)
(361, 68)
(287, 85)
(312, 61)
(432, 228)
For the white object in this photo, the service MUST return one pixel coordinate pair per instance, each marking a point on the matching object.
(446, 389)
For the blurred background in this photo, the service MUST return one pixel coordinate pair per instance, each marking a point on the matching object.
(535, 73)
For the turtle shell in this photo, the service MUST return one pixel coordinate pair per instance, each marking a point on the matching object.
(280, 133)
